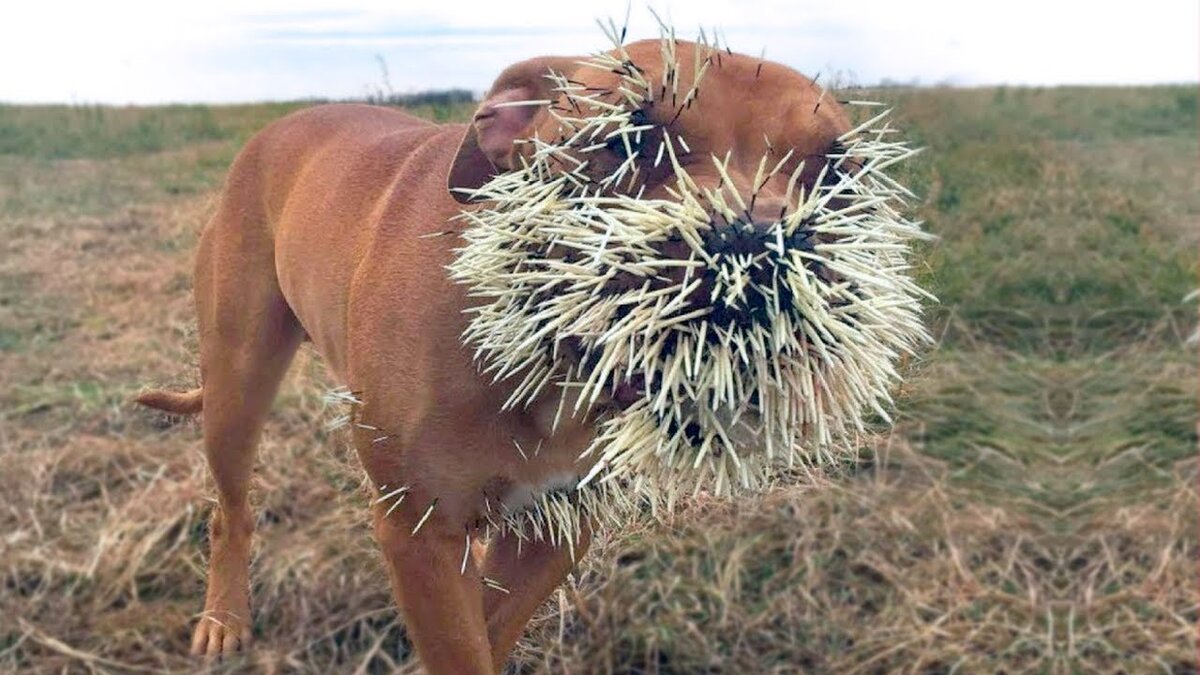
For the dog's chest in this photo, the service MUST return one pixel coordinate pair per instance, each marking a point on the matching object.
(518, 496)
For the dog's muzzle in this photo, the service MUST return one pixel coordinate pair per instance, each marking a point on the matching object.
(715, 343)
(735, 283)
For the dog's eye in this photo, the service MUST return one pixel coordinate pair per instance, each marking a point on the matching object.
(616, 145)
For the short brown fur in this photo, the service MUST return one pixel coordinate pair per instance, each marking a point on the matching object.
(319, 235)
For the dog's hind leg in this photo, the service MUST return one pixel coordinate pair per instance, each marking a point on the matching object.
(248, 336)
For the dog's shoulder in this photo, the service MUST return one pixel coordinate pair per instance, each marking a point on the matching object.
(346, 120)
(341, 135)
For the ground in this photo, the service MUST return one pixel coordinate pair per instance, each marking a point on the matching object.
(1034, 508)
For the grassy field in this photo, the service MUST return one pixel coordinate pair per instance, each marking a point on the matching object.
(1034, 510)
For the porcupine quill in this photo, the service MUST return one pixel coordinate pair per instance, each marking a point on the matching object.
(766, 351)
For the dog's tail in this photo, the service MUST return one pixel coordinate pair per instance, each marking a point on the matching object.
(180, 403)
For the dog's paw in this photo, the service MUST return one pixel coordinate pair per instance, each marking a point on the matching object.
(220, 634)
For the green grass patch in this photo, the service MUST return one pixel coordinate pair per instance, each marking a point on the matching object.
(103, 132)
(1055, 206)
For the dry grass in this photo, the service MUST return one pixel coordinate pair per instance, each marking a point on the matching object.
(1035, 509)
(898, 571)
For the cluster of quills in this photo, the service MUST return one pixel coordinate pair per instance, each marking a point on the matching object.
(558, 516)
(754, 350)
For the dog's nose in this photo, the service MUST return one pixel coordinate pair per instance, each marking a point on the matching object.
(741, 237)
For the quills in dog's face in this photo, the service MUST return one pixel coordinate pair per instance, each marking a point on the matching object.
(722, 316)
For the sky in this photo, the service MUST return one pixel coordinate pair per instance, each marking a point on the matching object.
(217, 51)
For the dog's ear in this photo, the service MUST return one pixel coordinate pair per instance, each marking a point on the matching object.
(487, 147)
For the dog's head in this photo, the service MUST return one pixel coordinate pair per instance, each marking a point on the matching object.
(695, 245)
(756, 109)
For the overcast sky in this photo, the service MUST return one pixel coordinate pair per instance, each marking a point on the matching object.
(121, 51)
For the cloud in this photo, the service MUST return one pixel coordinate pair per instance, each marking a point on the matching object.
(229, 50)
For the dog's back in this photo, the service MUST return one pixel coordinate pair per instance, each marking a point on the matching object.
(327, 179)
(304, 202)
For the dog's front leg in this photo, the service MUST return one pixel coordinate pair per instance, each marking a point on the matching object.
(442, 603)
(528, 574)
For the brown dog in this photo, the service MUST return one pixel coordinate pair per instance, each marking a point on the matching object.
(318, 235)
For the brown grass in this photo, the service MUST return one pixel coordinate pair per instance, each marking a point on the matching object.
(1034, 510)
